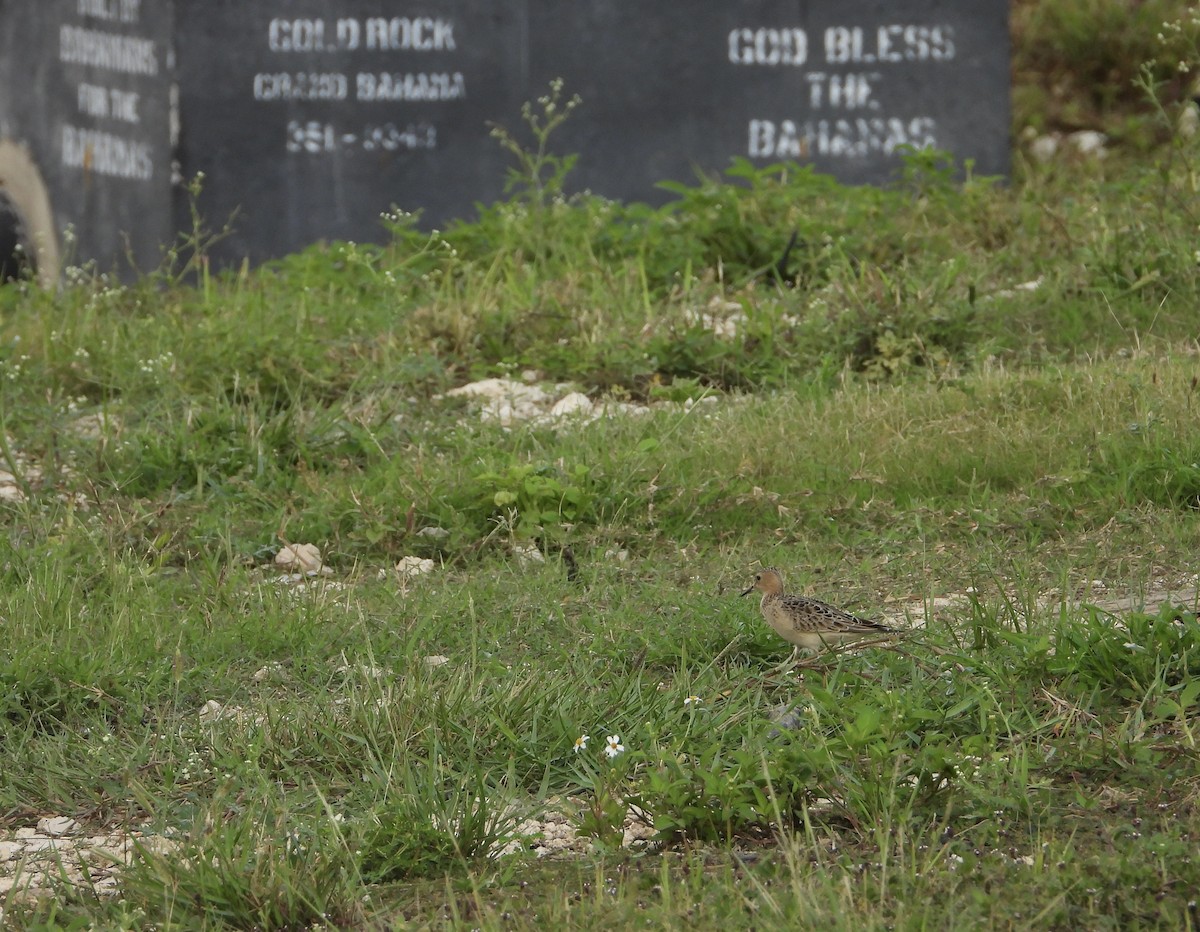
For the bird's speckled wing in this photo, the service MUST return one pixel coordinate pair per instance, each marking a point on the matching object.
(814, 615)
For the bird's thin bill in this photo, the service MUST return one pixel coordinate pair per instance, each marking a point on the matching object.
(748, 591)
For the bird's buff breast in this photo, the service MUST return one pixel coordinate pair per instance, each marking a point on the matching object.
(787, 628)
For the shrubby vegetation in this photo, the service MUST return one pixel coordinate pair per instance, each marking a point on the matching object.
(964, 401)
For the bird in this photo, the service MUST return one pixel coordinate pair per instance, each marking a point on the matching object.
(809, 623)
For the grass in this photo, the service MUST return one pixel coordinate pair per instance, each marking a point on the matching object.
(903, 430)
(1033, 732)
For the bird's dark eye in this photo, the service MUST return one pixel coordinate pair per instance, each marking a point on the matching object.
(758, 577)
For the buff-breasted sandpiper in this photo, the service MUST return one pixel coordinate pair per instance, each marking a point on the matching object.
(809, 623)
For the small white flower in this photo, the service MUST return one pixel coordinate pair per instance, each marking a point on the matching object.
(581, 743)
(692, 700)
(614, 747)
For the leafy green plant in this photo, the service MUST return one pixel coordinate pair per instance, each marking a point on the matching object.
(434, 822)
(743, 225)
(542, 499)
(1129, 658)
(1084, 56)
(604, 775)
(540, 175)
(247, 872)
(712, 794)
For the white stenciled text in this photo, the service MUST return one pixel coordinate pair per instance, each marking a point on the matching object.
(106, 154)
(768, 46)
(377, 33)
(107, 51)
(107, 103)
(841, 91)
(892, 44)
(301, 86)
(771, 46)
(419, 86)
(118, 11)
(848, 138)
(317, 138)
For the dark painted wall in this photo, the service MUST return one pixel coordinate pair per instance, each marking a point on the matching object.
(84, 89)
(310, 117)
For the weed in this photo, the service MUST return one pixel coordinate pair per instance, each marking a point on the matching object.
(961, 405)
(427, 825)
